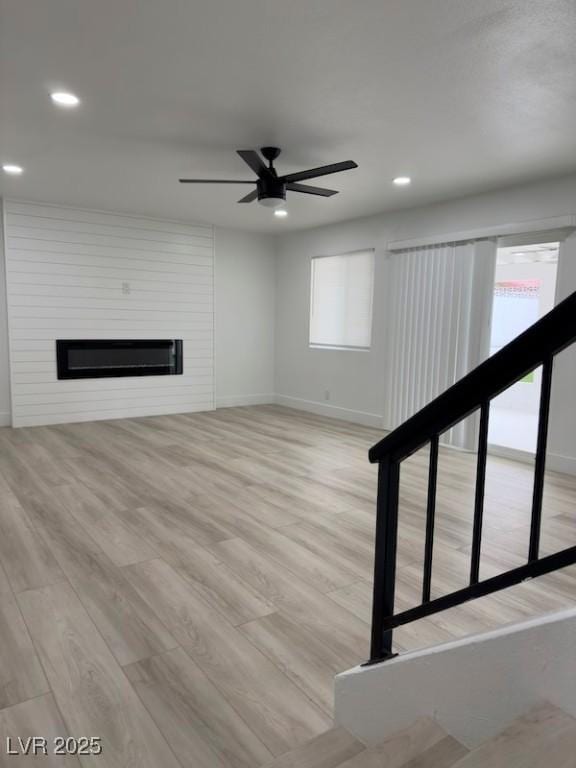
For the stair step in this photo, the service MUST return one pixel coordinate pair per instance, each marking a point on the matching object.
(329, 750)
(544, 737)
(444, 754)
(402, 747)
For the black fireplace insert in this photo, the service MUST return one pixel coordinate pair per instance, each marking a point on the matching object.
(97, 358)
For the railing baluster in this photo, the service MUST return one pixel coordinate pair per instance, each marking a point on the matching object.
(480, 490)
(430, 519)
(540, 463)
(385, 558)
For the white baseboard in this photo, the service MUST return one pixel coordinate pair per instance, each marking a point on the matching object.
(5, 420)
(511, 453)
(555, 462)
(232, 401)
(558, 463)
(332, 411)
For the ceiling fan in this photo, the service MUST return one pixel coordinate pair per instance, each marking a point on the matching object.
(270, 188)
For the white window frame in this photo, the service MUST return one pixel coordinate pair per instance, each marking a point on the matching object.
(342, 347)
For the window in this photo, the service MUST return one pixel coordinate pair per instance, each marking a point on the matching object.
(524, 291)
(341, 300)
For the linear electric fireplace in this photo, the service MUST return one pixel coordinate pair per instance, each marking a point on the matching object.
(92, 359)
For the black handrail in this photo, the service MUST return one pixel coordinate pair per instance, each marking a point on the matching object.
(535, 347)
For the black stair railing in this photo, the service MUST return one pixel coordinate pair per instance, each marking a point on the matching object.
(535, 347)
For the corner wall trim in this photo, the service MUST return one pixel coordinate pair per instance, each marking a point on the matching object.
(332, 411)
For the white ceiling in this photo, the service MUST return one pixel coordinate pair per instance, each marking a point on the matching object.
(462, 95)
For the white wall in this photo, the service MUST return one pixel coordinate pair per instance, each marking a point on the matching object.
(355, 380)
(245, 285)
(352, 378)
(4, 367)
(473, 687)
(562, 430)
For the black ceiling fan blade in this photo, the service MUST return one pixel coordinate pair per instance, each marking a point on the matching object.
(307, 189)
(250, 197)
(323, 170)
(255, 162)
(214, 181)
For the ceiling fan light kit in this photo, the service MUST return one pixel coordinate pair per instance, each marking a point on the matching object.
(270, 188)
(272, 202)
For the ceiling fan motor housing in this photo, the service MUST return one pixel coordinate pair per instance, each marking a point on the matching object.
(272, 190)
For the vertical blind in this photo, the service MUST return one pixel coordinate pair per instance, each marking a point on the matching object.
(439, 302)
(341, 300)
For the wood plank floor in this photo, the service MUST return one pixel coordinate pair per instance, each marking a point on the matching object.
(186, 587)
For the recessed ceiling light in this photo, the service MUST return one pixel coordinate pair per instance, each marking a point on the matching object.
(402, 181)
(281, 213)
(13, 170)
(64, 99)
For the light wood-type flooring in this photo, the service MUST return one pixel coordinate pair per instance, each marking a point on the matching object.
(186, 587)
(544, 736)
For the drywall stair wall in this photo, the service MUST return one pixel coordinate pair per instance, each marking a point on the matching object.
(472, 687)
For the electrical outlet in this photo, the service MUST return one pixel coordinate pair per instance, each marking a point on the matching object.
(126, 288)
(326, 394)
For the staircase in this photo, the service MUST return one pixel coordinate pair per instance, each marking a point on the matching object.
(544, 737)
(471, 395)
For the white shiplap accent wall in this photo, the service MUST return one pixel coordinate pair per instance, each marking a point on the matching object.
(65, 273)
